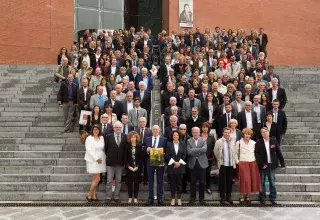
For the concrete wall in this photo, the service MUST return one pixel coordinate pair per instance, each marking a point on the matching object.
(34, 31)
(293, 26)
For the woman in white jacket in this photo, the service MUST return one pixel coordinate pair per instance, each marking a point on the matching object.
(96, 160)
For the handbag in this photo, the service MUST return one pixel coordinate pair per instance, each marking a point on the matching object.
(83, 136)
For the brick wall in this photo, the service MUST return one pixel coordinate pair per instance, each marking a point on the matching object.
(32, 32)
(292, 25)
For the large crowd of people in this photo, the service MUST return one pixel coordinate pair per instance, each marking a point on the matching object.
(221, 110)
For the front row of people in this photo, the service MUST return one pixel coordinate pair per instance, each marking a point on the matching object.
(254, 162)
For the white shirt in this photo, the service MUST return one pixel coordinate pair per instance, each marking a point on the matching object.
(249, 119)
(239, 107)
(246, 150)
(267, 144)
(141, 94)
(257, 110)
(274, 94)
(157, 141)
(113, 70)
(87, 59)
(176, 148)
(275, 116)
(85, 89)
(129, 105)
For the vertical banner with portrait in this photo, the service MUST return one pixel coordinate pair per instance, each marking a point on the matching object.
(186, 13)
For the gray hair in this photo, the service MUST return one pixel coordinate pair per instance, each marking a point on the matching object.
(117, 123)
(142, 83)
(173, 117)
(182, 126)
(142, 118)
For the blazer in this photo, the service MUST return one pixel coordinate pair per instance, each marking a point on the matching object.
(281, 96)
(180, 100)
(260, 153)
(210, 146)
(125, 106)
(165, 99)
(268, 78)
(63, 93)
(167, 133)
(91, 155)
(109, 129)
(244, 96)
(223, 123)
(147, 133)
(205, 113)
(130, 127)
(116, 155)
(186, 107)
(146, 101)
(133, 117)
(190, 123)
(139, 157)
(94, 100)
(80, 98)
(282, 121)
(218, 152)
(263, 113)
(219, 98)
(180, 155)
(197, 152)
(117, 107)
(264, 42)
(167, 112)
(274, 131)
(242, 121)
(235, 107)
(161, 144)
(150, 82)
(163, 72)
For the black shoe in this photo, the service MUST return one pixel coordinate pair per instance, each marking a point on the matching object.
(209, 191)
(202, 202)
(273, 202)
(229, 200)
(117, 201)
(184, 191)
(223, 202)
(108, 201)
(95, 200)
(192, 201)
(89, 199)
(160, 202)
(262, 202)
(149, 203)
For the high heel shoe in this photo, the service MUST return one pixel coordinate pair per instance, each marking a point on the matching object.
(135, 201)
(179, 202)
(173, 202)
(89, 199)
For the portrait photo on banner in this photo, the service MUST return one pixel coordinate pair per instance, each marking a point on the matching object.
(186, 13)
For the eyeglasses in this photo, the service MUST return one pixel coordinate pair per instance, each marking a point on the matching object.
(182, 129)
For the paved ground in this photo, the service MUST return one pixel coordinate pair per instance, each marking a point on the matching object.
(150, 213)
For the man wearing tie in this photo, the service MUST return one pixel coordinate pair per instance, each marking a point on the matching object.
(105, 127)
(144, 134)
(137, 112)
(116, 105)
(126, 126)
(211, 57)
(115, 149)
(84, 95)
(225, 119)
(155, 141)
(98, 99)
(280, 118)
(197, 163)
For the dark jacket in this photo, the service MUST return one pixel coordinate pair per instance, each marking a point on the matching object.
(190, 123)
(80, 98)
(116, 155)
(281, 96)
(146, 101)
(260, 153)
(274, 131)
(182, 154)
(210, 146)
(242, 122)
(139, 156)
(63, 93)
(117, 108)
(147, 133)
(165, 99)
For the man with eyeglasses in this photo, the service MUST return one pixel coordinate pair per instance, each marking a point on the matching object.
(248, 119)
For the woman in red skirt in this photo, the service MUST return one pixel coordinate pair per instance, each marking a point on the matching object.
(248, 175)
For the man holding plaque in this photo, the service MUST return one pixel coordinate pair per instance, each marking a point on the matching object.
(156, 148)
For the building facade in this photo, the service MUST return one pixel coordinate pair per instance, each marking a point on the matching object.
(35, 31)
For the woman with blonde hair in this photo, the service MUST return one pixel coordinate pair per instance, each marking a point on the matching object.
(248, 171)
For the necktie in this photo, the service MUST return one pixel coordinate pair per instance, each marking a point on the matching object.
(104, 129)
(137, 114)
(101, 101)
(230, 153)
(124, 129)
(141, 135)
(275, 117)
(228, 119)
(118, 140)
(154, 143)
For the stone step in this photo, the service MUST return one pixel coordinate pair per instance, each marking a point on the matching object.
(301, 142)
(33, 147)
(81, 196)
(302, 136)
(301, 148)
(302, 162)
(38, 134)
(43, 154)
(301, 155)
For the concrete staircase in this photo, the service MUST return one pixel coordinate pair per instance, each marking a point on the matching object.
(38, 163)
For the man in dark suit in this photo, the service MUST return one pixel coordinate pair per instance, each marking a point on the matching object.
(126, 126)
(67, 96)
(134, 76)
(270, 75)
(225, 119)
(168, 110)
(164, 69)
(84, 95)
(117, 107)
(268, 153)
(144, 132)
(194, 120)
(181, 96)
(155, 141)
(247, 94)
(144, 77)
(197, 162)
(172, 127)
(145, 97)
(226, 100)
(115, 149)
(217, 95)
(204, 91)
(248, 119)
(277, 93)
(128, 104)
(279, 117)
(263, 41)
(105, 127)
(261, 113)
(166, 95)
